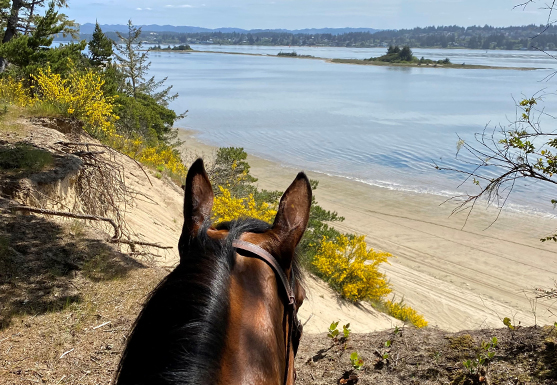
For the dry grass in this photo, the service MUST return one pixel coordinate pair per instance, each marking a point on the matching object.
(10, 123)
(431, 356)
(54, 295)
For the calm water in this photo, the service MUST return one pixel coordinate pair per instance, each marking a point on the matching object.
(383, 126)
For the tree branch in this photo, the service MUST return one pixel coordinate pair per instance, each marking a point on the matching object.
(70, 215)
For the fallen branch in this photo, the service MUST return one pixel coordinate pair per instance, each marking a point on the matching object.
(143, 254)
(139, 243)
(70, 215)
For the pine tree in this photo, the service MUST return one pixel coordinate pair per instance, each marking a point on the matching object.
(100, 47)
(24, 32)
(134, 64)
(406, 54)
(133, 59)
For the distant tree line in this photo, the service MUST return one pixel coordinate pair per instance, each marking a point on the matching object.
(475, 37)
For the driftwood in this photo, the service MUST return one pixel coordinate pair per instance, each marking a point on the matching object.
(70, 215)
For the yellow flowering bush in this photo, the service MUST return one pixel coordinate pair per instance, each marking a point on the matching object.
(401, 311)
(160, 156)
(348, 266)
(227, 208)
(79, 96)
(14, 92)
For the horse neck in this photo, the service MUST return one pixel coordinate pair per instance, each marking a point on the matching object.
(255, 346)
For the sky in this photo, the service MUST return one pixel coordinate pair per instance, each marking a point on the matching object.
(298, 14)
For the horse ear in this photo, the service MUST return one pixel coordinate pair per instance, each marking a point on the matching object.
(198, 201)
(292, 216)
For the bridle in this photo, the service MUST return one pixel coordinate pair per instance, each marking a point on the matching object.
(295, 329)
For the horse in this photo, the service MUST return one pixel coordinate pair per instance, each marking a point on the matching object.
(227, 314)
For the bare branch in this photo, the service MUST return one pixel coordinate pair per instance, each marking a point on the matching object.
(133, 243)
(70, 215)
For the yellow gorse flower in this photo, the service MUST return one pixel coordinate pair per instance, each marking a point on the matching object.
(159, 156)
(227, 208)
(14, 92)
(403, 312)
(349, 266)
(80, 95)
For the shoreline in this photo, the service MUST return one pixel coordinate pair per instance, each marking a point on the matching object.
(363, 62)
(458, 278)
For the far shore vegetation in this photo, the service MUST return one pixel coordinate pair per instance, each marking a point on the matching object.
(473, 37)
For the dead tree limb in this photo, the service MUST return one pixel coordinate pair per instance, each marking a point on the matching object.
(70, 215)
(140, 243)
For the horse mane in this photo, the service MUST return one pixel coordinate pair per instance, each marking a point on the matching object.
(178, 337)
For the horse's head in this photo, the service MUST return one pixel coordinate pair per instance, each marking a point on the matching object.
(227, 313)
(262, 331)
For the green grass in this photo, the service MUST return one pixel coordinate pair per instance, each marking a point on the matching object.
(44, 110)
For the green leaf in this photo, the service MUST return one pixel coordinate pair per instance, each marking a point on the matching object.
(507, 323)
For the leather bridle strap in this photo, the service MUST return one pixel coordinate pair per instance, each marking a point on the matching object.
(272, 262)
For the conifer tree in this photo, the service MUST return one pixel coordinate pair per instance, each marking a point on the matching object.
(134, 64)
(133, 59)
(24, 32)
(100, 47)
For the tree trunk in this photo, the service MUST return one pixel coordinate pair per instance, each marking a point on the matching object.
(11, 27)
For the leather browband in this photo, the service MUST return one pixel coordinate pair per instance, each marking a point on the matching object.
(271, 261)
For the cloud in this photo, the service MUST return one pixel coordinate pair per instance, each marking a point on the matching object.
(179, 6)
(139, 9)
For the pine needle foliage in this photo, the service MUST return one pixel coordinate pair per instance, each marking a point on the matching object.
(100, 48)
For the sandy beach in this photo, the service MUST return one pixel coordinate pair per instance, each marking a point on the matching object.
(458, 274)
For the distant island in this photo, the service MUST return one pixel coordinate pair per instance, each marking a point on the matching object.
(181, 47)
(385, 60)
(293, 54)
(405, 56)
(474, 37)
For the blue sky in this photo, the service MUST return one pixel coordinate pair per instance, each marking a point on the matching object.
(295, 14)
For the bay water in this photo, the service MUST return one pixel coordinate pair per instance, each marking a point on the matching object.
(384, 126)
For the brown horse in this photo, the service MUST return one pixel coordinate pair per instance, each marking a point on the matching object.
(227, 313)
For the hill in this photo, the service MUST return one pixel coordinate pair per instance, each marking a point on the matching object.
(89, 28)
